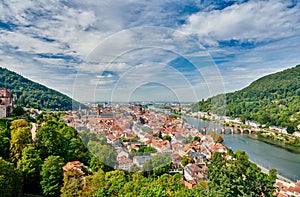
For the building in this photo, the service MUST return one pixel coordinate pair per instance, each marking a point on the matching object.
(192, 174)
(6, 106)
(125, 163)
(140, 160)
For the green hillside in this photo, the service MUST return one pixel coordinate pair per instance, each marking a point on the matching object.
(273, 100)
(30, 94)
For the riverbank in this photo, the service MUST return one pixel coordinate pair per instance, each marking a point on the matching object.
(279, 144)
(264, 154)
(267, 133)
(279, 177)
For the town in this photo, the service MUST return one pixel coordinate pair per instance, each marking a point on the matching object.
(130, 127)
(138, 133)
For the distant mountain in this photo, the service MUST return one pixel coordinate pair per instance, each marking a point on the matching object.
(30, 94)
(273, 99)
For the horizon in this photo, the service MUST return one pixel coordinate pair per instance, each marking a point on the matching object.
(141, 101)
(139, 50)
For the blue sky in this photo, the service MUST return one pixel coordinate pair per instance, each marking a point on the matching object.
(148, 50)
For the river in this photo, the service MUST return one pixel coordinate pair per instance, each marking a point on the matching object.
(266, 154)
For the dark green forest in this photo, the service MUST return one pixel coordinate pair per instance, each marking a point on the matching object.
(30, 94)
(272, 100)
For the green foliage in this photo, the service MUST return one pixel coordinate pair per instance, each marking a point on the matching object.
(52, 175)
(290, 129)
(104, 156)
(18, 111)
(134, 168)
(238, 177)
(9, 179)
(4, 147)
(5, 136)
(87, 136)
(167, 137)
(94, 183)
(184, 160)
(217, 138)
(273, 175)
(143, 150)
(20, 138)
(157, 165)
(115, 181)
(197, 138)
(273, 100)
(56, 138)
(153, 191)
(72, 183)
(30, 94)
(29, 167)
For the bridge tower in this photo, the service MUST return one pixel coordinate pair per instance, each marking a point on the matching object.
(232, 130)
(242, 130)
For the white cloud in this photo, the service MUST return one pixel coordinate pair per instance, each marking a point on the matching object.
(54, 39)
(250, 21)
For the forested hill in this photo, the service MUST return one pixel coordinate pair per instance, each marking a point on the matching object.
(273, 99)
(30, 94)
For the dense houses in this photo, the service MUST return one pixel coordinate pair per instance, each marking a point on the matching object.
(129, 127)
(288, 189)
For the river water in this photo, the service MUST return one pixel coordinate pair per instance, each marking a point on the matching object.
(269, 155)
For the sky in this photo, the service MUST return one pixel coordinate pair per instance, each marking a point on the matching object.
(130, 50)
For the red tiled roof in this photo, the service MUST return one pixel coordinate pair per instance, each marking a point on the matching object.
(297, 188)
(193, 168)
(125, 160)
(291, 189)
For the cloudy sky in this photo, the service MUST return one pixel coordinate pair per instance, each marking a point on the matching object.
(148, 50)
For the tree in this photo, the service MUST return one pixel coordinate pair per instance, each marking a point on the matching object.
(87, 136)
(160, 135)
(273, 175)
(153, 190)
(56, 138)
(5, 136)
(115, 181)
(20, 138)
(290, 129)
(9, 179)
(52, 175)
(184, 160)
(29, 167)
(18, 123)
(157, 165)
(197, 138)
(167, 137)
(217, 138)
(4, 146)
(49, 141)
(94, 182)
(134, 168)
(18, 111)
(72, 183)
(237, 177)
(106, 154)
